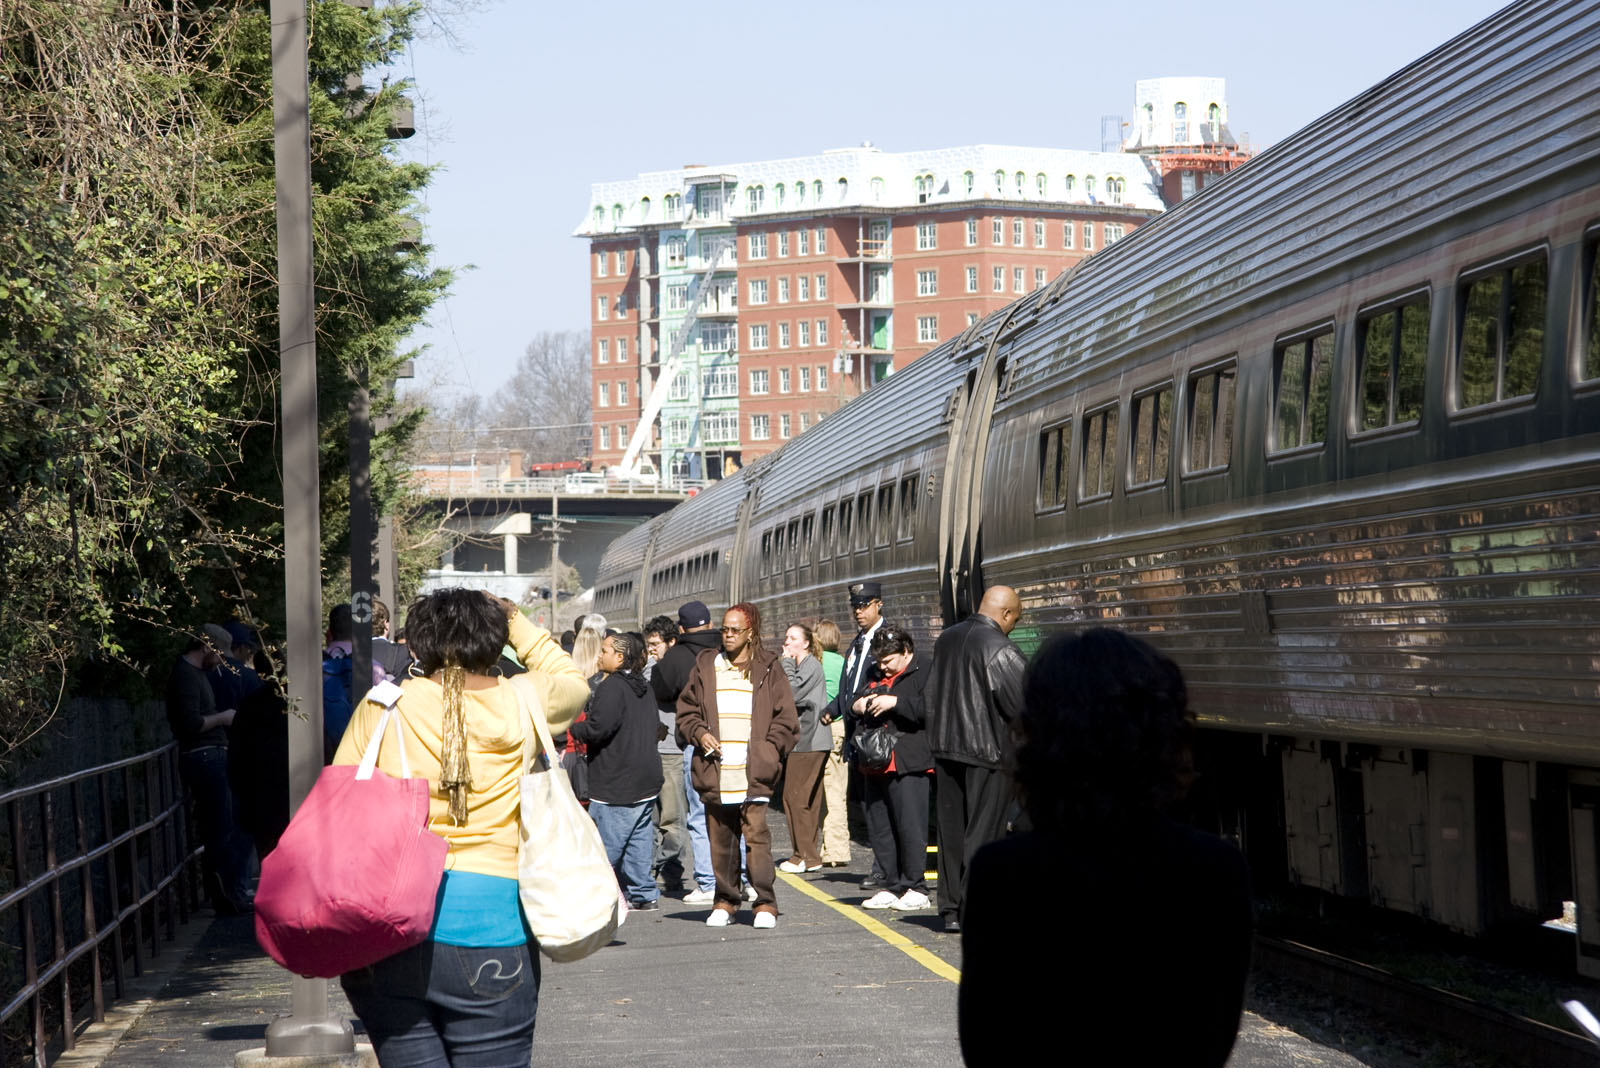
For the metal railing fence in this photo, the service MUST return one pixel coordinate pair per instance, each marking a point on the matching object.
(96, 873)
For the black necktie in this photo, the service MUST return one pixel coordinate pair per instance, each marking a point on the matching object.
(857, 659)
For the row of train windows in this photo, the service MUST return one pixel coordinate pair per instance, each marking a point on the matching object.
(873, 517)
(1500, 319)
(615, 596)
(686, 576)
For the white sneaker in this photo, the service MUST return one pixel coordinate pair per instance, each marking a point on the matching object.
(881, 900)
(699, 897)
(766, 920)
(719, 918)
(794, 867)
(749, 892)
(912, 900)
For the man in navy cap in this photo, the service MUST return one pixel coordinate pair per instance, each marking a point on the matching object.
(866, 604)
(667, 679)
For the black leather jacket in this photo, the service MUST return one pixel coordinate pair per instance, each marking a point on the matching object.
(974, 693)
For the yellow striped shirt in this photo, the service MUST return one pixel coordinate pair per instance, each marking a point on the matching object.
(734, 692)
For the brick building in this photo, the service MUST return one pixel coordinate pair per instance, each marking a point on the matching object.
(764, 295)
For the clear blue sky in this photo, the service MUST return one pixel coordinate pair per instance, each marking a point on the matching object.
(541, 98)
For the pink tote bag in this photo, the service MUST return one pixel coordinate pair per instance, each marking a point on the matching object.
(355, 877)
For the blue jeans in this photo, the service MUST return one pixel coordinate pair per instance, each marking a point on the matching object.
(629, 834)
(439, 1006)
(699, 844)
(226, 861)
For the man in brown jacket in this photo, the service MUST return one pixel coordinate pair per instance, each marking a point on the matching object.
(738, 712)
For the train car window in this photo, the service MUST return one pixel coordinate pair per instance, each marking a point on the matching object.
(1303, 370)
(908, 507)
(1391, 361)
(792, 543)
(1099, 454)
(1055, 449)
(1500, 337)
(1151, 458)
(846, 516)
(807, 530)
(885, 528)
(766, 553)
(1591, 316)
(1211, 419)
(864, 520)
(825, 543)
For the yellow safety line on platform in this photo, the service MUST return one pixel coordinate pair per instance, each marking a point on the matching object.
(924, 957)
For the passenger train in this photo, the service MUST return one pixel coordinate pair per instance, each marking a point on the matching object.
(1328, 433)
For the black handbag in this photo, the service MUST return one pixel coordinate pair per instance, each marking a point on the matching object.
(875, 747)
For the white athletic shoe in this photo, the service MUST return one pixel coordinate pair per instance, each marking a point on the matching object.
(912, 900)
(766, 920)
(881, 900)
(793, 867)
(749, 892)
(699, 897)
(719, 918)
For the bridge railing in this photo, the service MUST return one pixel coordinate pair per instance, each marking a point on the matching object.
(96, 874)
(583, 486)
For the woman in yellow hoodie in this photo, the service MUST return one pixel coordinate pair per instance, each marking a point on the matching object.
(471, 991)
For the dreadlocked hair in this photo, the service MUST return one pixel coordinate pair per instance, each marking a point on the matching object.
(455, 772)
(752, 619)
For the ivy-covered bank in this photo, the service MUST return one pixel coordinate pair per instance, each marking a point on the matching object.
(139, 478)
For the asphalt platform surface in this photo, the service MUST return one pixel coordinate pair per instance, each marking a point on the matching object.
(820, 988)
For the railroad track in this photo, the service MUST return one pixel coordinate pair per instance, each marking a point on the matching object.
(1424, 1008)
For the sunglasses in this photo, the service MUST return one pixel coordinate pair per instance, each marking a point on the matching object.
(734, 630)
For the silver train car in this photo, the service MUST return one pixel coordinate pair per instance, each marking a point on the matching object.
(1327, 433)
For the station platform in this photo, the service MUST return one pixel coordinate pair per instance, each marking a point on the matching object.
(832, 984)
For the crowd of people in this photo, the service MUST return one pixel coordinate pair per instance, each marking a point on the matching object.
(680, 737)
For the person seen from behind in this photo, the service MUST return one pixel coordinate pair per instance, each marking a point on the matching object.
(1104, 750)
(619, 737)
(897, 795)
(738, 710)
(802, 776)
(468, 995)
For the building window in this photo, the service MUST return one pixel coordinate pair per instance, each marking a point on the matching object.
(1114, 188)
(616, 214)
(805, 377)
(877, 190)
(1180, 122)
(972, 279)
(605, 351)
(928, 283)
(805, 333)
(721, 428)
(997, 235)
(822, 331)
(755, 197)
(844, 189)
(605, 396)
(1017, 276)
(1501, 338)
(805, 287)
(758, 335)
(999, 279)
(783, 380)
(605, 437)
(680, 387)
(1112, 232)
(1151, 455)
(622, 350)
(1068, 232)
(622, 262)
(783, 241)
(972, 231)
(758, 246)
(601, 264)
(676, 294)
(672, 206)
(1099, 454)
(1016, 232)
(803, 236)
(676, 251)
(1038, 278)
(927, 328)
(603, 307)
(758, 383)
(822, 287)
(1055, 448)
(784, 425)
(822, 379)
(1041, 183)
(972, 318)
(1303, 376)
(760, 428)
(1211, 419)
(622, 305)
(758, 291)
(1038, 233)
(677, 431)
(716, 337)
(999, 181)
(805, 421)
(927, 236)
(622, 394)
(1088, 187)
(822, 235)
(1088, 237)
(1022, 183)
(783, 335)
(721, 381)
(783, 290)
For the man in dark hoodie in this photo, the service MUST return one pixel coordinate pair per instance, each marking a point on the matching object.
(668, 678)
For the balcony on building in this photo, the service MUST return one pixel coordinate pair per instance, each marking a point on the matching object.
(870, 250)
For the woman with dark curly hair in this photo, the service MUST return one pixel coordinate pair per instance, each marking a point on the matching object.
(1143, 952)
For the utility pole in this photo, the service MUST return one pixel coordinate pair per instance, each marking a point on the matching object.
(361, 584)
(554, 528)
(308, 1031)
